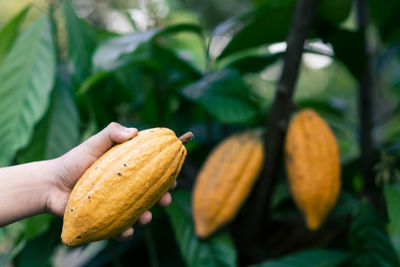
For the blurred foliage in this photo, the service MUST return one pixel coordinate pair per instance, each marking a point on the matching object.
(216, 251)
(318, 257)
(211, 67)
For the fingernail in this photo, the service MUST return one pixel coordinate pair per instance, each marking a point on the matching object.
(130, 130)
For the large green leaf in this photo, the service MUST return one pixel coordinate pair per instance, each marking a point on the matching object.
(108, 56)
(112, 53)
(81, 42)
(392, 196)
(10, 31)
(27, 76)
(270, 21)
(215, 251)
(311, 258)
(58, 131)
(369, 243)
(225, 95)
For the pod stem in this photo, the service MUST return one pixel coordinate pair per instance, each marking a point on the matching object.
(186, 137)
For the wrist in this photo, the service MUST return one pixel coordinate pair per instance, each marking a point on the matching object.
(29, 186)
(52, 184)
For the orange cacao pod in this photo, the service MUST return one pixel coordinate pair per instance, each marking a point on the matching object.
(225, 181)
(123, 183)
(313, 166)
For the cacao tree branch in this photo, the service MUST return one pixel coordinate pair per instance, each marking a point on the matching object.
(365, 87)
(259, 201)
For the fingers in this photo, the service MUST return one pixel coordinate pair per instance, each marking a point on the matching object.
(165, 200)
(123, 134)
(102, 141)
(174, 185)
(145, 218)
(126, 235)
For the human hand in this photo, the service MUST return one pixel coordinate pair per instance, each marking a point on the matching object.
(71, 166)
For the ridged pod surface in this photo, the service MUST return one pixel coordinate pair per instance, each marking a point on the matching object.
(225, 181)
(123, 183)
(313, 166)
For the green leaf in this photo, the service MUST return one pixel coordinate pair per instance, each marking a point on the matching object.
(2, 234)
(254, 63)
(174, 64)
(36, 225)
(100, 35)
(90, 81)
(108, 56)
(392, 196)
(324, 106)
(27, 76)
(38, 251)
(81, 42)
(281, 193)
(5, 259)
(369, 243)
(177, 28)
(58, 131)
(348, 47)
(215, 251)
(112, 53)
(270, 22)
(311, 258)
(10, 31)
(91, 129)
(223, 94)
(334, 11)
(385, 18)
(347, 204)
(13, 241)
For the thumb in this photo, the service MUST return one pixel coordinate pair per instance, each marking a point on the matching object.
(98, 144)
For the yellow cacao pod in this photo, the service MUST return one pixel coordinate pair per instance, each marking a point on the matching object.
(313, 166)
(123, 183)
(225, 181)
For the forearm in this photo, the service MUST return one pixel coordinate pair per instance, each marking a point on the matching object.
(24, 190)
